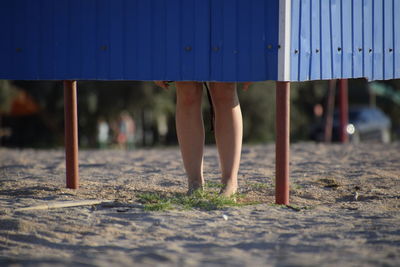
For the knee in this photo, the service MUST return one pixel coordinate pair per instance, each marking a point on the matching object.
(224, 94)
(189, 93)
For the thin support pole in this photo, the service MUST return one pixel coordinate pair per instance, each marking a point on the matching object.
(344, 110)
(282, 151)
(330, 106)
(71, 134)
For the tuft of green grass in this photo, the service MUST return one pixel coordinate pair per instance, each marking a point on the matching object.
(150, 198)
(154, 202)
(214, 185)
(295, 186)
(203, 200)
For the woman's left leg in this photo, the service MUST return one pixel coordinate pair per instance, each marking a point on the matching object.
(228, 132)
(190, 131)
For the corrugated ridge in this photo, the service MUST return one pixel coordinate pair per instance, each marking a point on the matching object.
(357, 39)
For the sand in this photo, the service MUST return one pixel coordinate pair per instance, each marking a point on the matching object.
(328, 225)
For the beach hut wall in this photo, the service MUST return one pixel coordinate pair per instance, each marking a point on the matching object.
(221, 40)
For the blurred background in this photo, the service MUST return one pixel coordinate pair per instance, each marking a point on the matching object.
(131, 114)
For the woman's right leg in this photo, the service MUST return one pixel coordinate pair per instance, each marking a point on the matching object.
(190, 131)
(228, 132)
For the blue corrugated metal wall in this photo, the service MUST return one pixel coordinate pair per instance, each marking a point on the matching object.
(225, 40)
(345, 39)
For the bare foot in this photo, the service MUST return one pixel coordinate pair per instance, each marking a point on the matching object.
(229, 189)
(194, 187)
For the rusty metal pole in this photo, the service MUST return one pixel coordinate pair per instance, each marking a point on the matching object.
(344, 110)
(282, 149)
(330, 106)
(71, 134)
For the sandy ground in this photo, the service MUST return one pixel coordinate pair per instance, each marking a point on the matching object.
(331, 229)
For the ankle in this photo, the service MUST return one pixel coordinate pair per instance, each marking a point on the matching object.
(195, 187)
(229, 181)
(230, 187)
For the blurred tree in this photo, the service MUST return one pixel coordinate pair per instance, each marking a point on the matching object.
(258, 108)
(391, 108)
(153, 109)
(305, 96)
(7, 93)
(143, 100)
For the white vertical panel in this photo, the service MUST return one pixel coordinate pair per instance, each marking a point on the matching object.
(284, 40)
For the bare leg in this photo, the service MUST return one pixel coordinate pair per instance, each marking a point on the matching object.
(228, 133)
(190, 131)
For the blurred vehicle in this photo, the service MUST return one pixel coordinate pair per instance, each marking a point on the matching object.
(365, 124)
